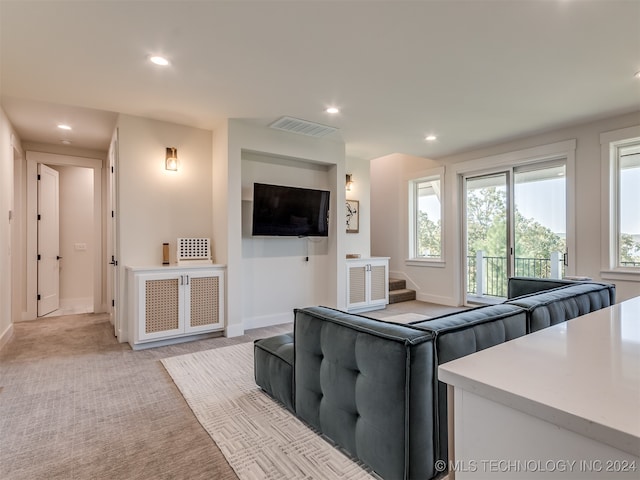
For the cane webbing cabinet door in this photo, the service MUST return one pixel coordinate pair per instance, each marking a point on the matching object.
(160, 310)
(379, 284)
(357, 289)
(203, 303)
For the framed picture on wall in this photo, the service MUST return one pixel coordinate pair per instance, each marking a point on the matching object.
(353, 216)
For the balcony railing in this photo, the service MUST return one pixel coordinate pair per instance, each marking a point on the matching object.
(630, 264)
(487, 276)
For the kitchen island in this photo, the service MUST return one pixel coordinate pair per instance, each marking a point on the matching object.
(563, 402)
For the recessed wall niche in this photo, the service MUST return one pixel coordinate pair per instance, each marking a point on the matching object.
(281, 273)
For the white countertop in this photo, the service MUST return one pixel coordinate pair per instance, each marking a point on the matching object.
(175, 266)
(583, 375)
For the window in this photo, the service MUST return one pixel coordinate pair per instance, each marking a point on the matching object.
(621, 218)
(425, 208)
(628, 224)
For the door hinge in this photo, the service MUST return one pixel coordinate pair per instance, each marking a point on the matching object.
(39, 217)
(38, 296)
(112, 169)
(112, 214)
(113, 303)
(39, 257)
(38, 176)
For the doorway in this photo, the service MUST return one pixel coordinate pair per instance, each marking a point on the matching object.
(515, 225)
(81, 248)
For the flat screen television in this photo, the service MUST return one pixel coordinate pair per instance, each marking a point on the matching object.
(289, 211)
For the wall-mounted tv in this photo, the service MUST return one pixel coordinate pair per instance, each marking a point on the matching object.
(289, 211)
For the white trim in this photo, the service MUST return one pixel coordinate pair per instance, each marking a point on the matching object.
(620, 274)
(508, 160)
(609, 142)
(268, 320)
(448, 301)
(6, 336)
(420, 262)
(33, 159)
(410, 181)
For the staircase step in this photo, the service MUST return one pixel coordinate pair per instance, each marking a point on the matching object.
(401, 295)
(397, 284)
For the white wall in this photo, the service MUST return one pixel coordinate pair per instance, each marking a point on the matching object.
(243, 137)
(360, 243)
(76, 227)
(7, 142)
(156, 205)
(389, 232)
(276, 276)
(390, 222)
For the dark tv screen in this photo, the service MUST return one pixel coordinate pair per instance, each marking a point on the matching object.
(289, 211)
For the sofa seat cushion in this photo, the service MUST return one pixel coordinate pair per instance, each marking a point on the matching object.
(273, 367)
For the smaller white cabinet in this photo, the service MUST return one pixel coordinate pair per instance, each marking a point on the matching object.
(367, 284)
(168, 304)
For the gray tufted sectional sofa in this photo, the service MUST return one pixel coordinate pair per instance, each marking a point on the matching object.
(371, 386)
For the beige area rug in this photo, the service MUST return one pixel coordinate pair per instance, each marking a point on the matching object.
(258, 436)
(405, 318)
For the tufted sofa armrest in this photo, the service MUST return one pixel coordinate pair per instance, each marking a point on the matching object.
(463, 333)
(369, 387)
(564, 303)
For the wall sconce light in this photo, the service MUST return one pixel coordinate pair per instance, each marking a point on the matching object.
(171, 160)
(349, 182)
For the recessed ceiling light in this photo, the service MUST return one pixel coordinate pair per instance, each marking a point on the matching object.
(163, 62)
(62, 126)
(332, 110)
(65, 142)
(430, 138)
(637, 75)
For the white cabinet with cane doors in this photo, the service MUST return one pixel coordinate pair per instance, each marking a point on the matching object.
(367, 284)
(171, 304)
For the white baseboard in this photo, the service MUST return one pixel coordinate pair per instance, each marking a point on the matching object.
(6, 336)
(268, 320)
(448, 301)
(84, 304)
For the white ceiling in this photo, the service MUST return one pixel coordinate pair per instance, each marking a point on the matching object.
(473, 72)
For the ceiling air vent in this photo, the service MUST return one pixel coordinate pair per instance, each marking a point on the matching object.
(303, 127)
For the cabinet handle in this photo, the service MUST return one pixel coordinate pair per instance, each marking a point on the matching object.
(187, 279)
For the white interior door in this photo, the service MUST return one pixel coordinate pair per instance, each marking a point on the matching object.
(48, 240)
(112, 270)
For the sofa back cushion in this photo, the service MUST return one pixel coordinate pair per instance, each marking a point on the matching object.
(565, 303)
(518, 286)
(369, 387)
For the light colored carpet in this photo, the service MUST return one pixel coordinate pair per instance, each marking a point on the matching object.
(259, 438)
(77, 405)
(406, 318)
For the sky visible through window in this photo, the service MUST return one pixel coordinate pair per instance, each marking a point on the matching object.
(546, 202)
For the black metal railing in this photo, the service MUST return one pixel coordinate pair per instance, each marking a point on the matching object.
(630, 264)
(494, 273)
